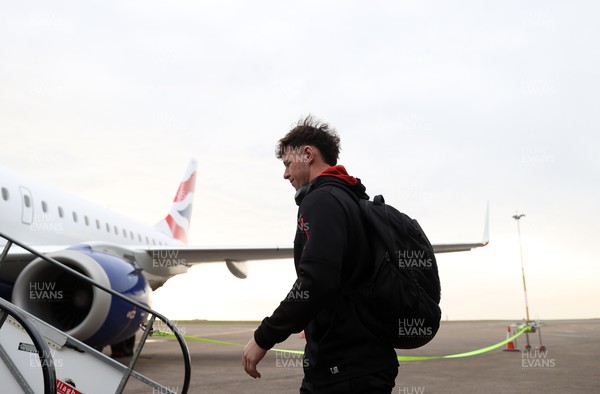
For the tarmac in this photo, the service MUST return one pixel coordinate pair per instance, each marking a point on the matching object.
(569, 364)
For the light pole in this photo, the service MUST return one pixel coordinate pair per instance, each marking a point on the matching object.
(518, 217)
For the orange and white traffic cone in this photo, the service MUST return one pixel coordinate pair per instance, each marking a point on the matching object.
(510, 346)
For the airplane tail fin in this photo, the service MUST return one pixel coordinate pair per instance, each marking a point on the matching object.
(177, 223)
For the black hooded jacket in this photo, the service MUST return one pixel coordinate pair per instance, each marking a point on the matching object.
(332, 257)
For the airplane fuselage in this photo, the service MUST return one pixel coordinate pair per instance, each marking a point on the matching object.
(37, 214)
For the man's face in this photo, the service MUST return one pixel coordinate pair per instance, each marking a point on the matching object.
(296, 162)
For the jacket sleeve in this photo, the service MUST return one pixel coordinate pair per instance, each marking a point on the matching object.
(319, 269)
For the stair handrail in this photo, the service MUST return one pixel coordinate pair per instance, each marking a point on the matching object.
(150, 311)
(43, 350)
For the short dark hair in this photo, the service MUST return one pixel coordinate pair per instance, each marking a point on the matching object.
(311, 131)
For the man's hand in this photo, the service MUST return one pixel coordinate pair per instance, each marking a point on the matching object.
(251, 357)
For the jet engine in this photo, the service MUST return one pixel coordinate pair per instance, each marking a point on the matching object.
(78, 308)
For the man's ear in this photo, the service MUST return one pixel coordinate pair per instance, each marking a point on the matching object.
(310, 153)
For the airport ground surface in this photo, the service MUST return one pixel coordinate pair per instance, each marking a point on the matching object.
(571, 363)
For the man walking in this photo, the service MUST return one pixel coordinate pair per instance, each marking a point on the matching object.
(332, 259)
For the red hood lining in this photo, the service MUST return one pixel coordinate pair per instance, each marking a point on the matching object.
(340, 172)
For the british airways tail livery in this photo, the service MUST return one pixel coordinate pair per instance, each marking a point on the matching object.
(177, 223)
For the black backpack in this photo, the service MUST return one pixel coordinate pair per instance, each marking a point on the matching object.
(402, 295)
(400, 301)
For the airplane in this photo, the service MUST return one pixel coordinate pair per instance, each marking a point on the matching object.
(113, 250)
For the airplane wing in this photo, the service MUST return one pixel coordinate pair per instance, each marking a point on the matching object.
(447, 248)
(213, 255)
(234, 258)
(216, 255)
(207, 255)
(462, 247)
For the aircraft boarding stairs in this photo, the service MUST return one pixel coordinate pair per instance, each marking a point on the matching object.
(36, 357)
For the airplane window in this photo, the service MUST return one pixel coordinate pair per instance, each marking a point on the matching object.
(87, 221)
(139, 238)
(98, 224)
(44, 207)
(26, 201)
(5, 194)
(154, 242)
(107, 228)
(60, 212)
(131, 235)
(116, 230)
(75, 216)
(147, 241)
(125, 233)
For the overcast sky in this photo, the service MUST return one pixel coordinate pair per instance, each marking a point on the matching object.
(441, 107)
